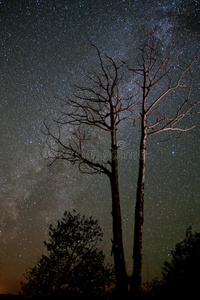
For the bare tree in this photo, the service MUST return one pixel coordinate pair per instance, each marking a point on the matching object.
(161, 110)
(99, 106)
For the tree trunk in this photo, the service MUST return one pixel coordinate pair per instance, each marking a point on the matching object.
(117, 247)
(138, 229)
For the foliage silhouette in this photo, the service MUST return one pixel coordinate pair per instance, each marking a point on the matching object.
(74, 264)
(181, 275)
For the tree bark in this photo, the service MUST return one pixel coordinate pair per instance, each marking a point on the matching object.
(138, 227)
(138, 230)
(117, 247)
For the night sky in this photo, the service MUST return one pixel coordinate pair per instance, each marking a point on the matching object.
(44, 48)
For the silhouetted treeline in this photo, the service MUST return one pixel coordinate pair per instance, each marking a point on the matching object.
(74, 266)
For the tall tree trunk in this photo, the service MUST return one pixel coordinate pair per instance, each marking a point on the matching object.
(138, 228)
(117, 247)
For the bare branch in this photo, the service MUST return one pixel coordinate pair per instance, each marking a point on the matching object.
(99, 105)
(174, 87)
(154, 72)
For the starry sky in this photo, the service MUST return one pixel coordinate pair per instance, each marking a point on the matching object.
(44, 48)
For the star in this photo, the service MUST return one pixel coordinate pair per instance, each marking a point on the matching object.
(44, 51)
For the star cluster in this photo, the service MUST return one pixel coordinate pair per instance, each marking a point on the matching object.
(45, 48)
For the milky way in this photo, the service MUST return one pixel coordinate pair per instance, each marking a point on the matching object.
(45, 48)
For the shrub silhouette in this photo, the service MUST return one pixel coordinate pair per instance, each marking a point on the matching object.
(73, 263)
(181, 275)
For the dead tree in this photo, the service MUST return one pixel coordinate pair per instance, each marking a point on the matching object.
(160, 111)
(101, 106)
